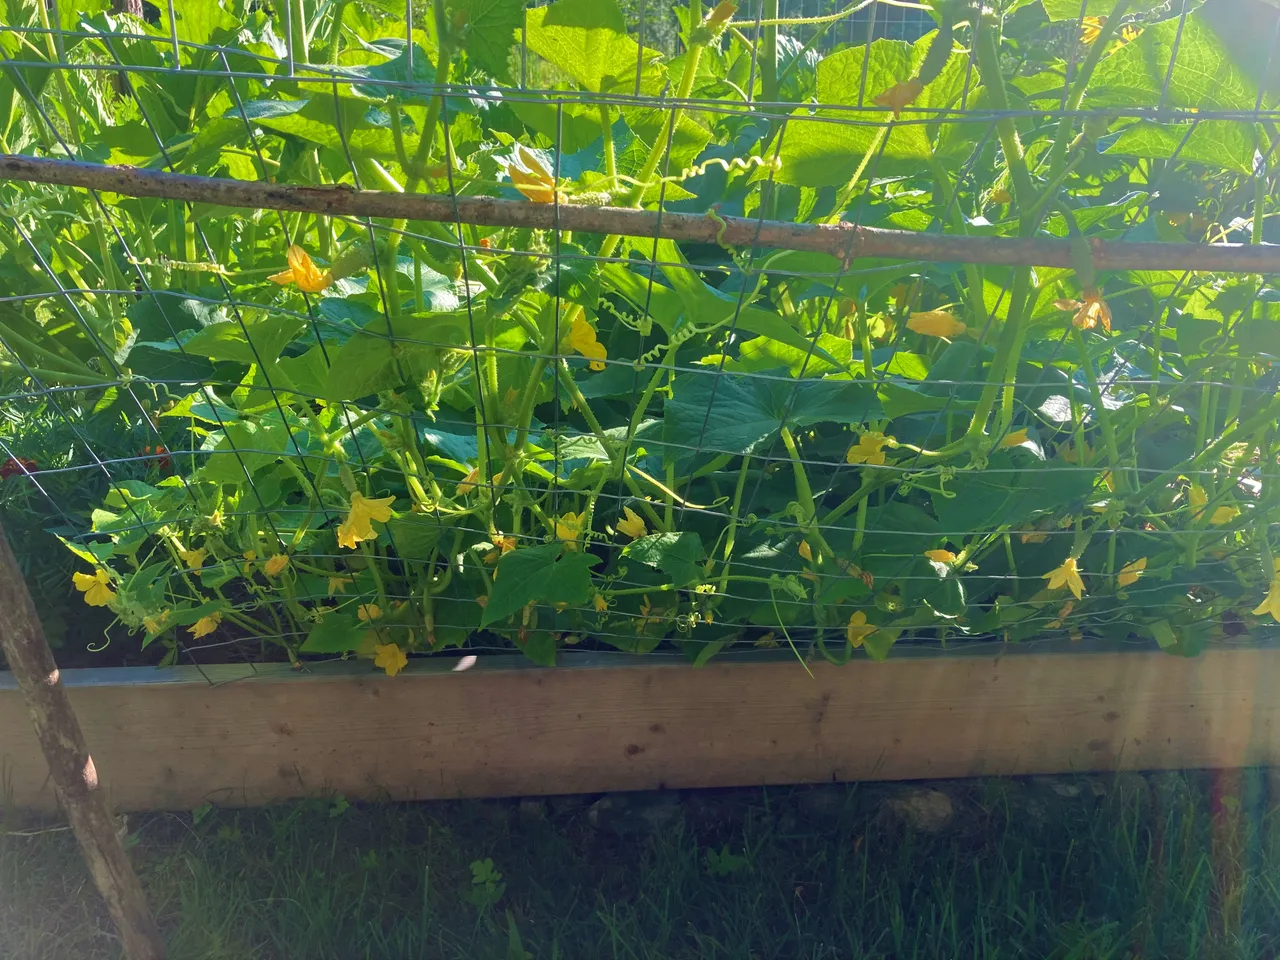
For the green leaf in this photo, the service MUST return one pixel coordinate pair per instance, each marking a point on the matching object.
(879, 643)
(1162, 630)
(542, 574)
(340, 124)
(415, 535)
(823, 149)
(766, 353)
(679, 555)
(587, 39)
(719, 413)
(258, 340)
(704, 304)
(1070, 9)
(1204, 77)
(336, 633)
(163, 316)
(1214, 143)
(197, 22)
(307, 375)
(380, 356)
(540, 648)
(1015, 488)
(732, 413)
(248, 445)
(571, 579)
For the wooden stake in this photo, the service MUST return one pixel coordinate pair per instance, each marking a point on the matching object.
(843, 240)
(70, 766)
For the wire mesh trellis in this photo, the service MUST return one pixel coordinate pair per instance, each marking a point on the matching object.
(314, 422)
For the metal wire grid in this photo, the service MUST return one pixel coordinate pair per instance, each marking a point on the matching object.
(68, 403)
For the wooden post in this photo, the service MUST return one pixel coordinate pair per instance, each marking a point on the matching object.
(70, 766)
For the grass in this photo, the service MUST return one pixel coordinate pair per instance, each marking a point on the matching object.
(1166, 866)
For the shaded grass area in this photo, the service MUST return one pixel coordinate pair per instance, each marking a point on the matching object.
(1170, 865)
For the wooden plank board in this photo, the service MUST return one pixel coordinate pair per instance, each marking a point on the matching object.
(171, 740)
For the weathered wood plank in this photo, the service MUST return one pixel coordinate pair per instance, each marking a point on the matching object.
(174, 741)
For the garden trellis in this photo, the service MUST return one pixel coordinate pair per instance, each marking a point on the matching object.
(355, 329)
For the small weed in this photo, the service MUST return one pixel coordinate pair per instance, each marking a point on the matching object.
(487, 886)
(724, 863)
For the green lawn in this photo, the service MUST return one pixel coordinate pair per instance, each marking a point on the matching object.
(1064, 868)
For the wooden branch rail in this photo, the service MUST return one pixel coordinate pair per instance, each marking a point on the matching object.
(171, 739)
(839, 240)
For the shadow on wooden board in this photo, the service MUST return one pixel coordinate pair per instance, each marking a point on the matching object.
(172, 740)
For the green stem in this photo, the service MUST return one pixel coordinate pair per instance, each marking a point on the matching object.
(732, 533)
(860, 525)
(769, 53)
(606, 138)
(973, 273)
(869, 485)
(579, 401)
(76, 379)
(986, 28)
(1120, 476)
(298, 32)
(335, 30)
(1007, 352)
(845, 196)
(1058, 153)
(803, 491)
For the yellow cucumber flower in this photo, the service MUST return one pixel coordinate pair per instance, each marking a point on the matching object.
(1091, 29)
(302, 272)
(900, 95)
(1015, 439)
(582, 337)
(858, 629)
(389, 657)
(1001, 195)
(936, 323)
(1224, 514)
(632, 524)
(194, 559)
(95, 586)
(1271, 604)
(338, 585)
(368, 611)
(274, 565)
(1197, 498)
(941, 556)
(468, 483)
(1067, 575)
(869, 448)
(531, 177)
(1090, 312)
(357, 526)
(569, 527)
(1131, 572)
(205, 625)
(155, 623)
(1063, 613)
(600, 603)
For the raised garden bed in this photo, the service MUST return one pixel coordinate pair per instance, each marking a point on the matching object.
(235, 735)
(900, 348)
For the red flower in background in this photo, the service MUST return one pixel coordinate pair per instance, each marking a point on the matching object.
(160, 453)
(15, 466)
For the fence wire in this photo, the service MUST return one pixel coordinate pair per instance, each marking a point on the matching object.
(288, 433)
